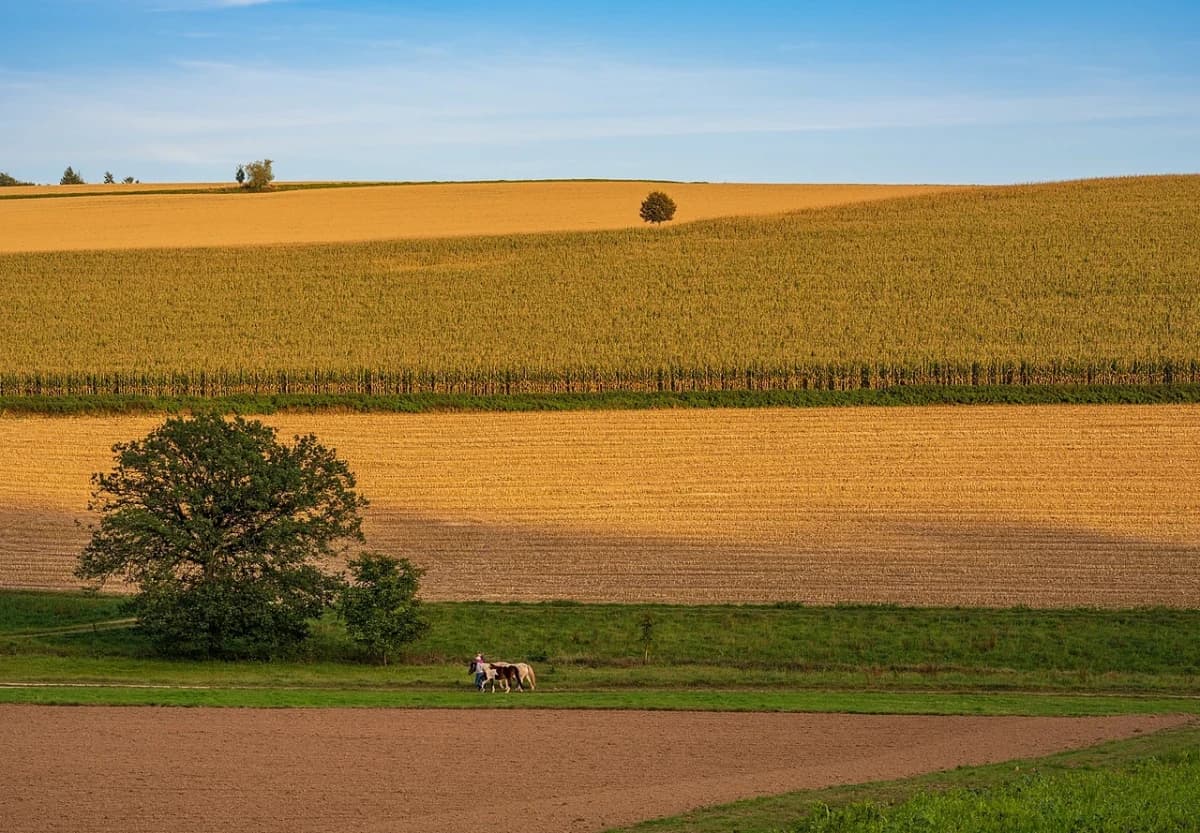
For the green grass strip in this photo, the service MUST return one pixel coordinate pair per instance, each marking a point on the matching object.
(731, 701)
(614, 400)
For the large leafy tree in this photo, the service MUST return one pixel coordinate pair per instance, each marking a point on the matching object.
(220, 527)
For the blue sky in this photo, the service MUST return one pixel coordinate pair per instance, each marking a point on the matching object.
(183, 90)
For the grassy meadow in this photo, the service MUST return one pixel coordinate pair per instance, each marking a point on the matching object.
(1089, 281)
(62, 647)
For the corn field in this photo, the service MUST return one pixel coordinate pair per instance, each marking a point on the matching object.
(1069, 283)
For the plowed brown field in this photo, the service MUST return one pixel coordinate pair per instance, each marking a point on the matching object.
(1039, 506)
(385, 212)
(132, 769)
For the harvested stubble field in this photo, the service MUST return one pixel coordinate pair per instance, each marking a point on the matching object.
(397, 771)
(1039, 506)
(110, 220)
(1087, 273)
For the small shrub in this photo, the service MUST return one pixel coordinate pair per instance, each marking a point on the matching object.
(6, 180)
(259, 175)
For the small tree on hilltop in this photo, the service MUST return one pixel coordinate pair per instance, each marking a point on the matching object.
(109, 179)
(380, 604)
(128, 180)
(6, 180)
(69, 177)
(240, 176)
(657, 207)
(219, 526)
(259, 175)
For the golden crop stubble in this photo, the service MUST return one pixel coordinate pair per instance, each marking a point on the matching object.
(1062, 505)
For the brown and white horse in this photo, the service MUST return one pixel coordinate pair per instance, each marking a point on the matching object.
(508, 674)
(526, 675)
(492, 672)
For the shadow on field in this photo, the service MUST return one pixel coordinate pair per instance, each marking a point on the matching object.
(865, 558)
(881, 559)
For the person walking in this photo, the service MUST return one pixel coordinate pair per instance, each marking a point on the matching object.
(480, 674)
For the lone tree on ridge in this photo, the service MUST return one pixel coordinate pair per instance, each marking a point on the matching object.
(69, 177)
(657, 207)
(219, 527)
(240, 176)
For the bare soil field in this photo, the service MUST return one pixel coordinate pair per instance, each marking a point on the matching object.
(333, 215)
(992, 506)
(190, 770)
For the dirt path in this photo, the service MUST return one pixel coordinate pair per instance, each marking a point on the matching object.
(188, 770)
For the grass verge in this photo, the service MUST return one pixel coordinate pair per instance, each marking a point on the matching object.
(615, 400)
(655, 700)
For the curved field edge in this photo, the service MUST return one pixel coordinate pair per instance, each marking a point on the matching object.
(1124, 764)
(291, 215)
(1093, 281)
(250, 404)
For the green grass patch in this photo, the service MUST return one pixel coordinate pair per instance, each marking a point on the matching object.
(247, 404)
(32, 611)
(1146, 783)
(657, 700)
(46, 637)
(71, 648)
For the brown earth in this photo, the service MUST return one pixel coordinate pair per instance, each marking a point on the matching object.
(386, 212)
(993, 506)
(154, 769)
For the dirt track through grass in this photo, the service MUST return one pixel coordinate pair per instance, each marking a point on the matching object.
(1038, 506)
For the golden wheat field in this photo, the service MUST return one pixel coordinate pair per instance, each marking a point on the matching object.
(1086, 271)
(1040, 506)
(110, 220)
(59, 191)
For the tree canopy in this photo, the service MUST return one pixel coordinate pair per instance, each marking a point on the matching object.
(220, 527)
(7, 180)
(380, 605)
(70, 177)
(258, 175)
(657, 207)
